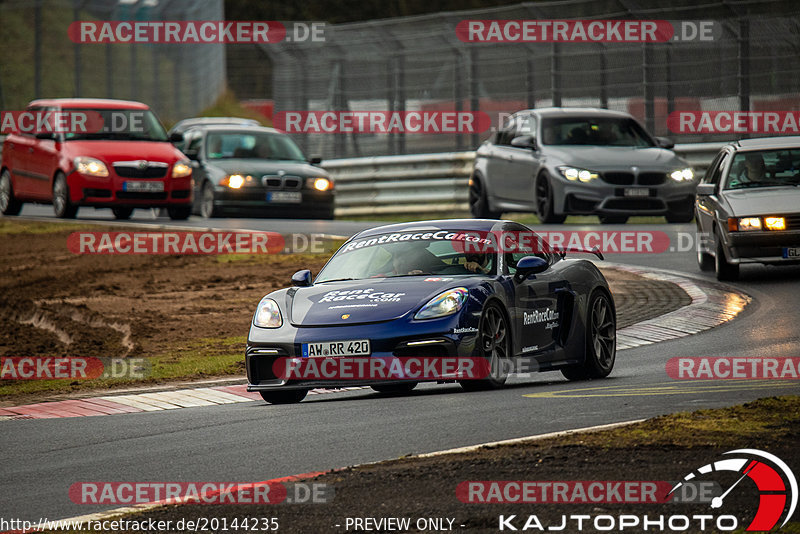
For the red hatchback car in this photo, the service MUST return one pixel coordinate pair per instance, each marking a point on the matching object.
(116, 154)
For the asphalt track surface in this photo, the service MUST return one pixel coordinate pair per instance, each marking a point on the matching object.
(254, 441)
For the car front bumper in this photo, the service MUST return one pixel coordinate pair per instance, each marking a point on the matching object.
(398, 338)
(602, 198)
(762, 247)
(254, 201)
(110, 191)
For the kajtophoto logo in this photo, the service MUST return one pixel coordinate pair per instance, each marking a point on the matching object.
(774, 481)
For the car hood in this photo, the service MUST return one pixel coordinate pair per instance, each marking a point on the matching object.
(362, 301)
(265, 166)
(598, 158)
(111, 151)
(764, 201)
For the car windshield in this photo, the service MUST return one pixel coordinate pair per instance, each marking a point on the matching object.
(594, 131)
(256, 145)
(407, 254)
(766, 168)
(118, 125)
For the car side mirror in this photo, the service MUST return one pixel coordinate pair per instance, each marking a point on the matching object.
(315, 160)
(175, 137)
(302, 278)
(531, 265)
(665, 142)
(192, 155)
(524, 141)
(706, 189)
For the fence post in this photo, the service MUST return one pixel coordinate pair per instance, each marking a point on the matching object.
(474, 90)
(744, 65)
(649, 90)
(76, 49)
(603, 78)
(555, 75)
(37, 49)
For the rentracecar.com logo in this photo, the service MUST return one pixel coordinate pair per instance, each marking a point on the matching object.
(775, 482)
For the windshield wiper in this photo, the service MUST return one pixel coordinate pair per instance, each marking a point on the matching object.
(409, 274)
(333, 280)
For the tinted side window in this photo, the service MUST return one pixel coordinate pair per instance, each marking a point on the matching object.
(716, 171)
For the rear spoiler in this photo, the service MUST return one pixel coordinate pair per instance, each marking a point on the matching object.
(594, 250)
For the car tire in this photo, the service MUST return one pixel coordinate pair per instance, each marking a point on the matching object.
(601, 340)
(122, 214)
(207, 207)
(62, 206)
(704, 260)
(9, 205)
(494, 338)
(291, 396)
(725, 271)
(683, 216)
(544, 201)
(613, 219)
(479, 202)
(179, 213)
(395, 389)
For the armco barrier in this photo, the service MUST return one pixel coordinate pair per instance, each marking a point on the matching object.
(422, 183)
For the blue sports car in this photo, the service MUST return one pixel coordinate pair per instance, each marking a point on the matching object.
(462, 291)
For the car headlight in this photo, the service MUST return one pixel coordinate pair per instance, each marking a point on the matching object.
(575, 174)
(744, 224)
(443, 304)
(235, 181)
(320, 183)
(181, 169)
(268, 314)
(90, 166)
(682, 175)
(775, 223)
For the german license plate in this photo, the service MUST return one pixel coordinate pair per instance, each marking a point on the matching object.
(637, 192)
(791, 253)
(330, 349)
(285, 196)
(143, 187)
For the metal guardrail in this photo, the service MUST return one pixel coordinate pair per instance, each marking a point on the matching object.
(422, 183)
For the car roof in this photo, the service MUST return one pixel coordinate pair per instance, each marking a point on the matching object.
(234, 128)
(478, 225)
(99, 103)
(201, 121)
(577, 112)
(761, 143)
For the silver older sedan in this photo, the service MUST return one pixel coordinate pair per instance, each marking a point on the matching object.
(748, 206)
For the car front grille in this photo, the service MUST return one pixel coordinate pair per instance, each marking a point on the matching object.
(154, 169)
(651, 178)
(618, 178)
(634, 204)
(792, 222)
(285, 182)
(141, 195)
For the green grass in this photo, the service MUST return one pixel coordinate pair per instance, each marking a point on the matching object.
(11, 226)
(204, 357)
(775, 417)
